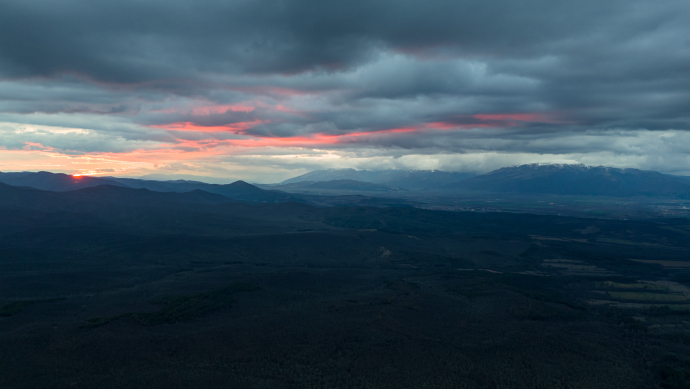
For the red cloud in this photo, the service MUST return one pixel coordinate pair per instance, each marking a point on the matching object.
(501, 120)
(237, 128)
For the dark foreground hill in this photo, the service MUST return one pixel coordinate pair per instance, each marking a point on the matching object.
(140, 211)
(53, 181)
(14, 197)
(238, 190)
(578, 180)
(111, 287)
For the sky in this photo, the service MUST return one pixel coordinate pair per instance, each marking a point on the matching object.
(264, 90)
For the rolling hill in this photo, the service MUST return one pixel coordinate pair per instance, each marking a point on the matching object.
(14, 197)
(58, 182)
(238, 190)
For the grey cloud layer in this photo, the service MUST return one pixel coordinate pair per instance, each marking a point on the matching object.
(138, 41)
(119, 67)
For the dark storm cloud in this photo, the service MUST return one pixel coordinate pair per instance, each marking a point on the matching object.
(539, 70)
(136, 41)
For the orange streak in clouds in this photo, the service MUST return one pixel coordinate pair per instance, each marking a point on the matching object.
(495, 121)
(283, 108)
(314, 139)
(452, 126)
(492, 121)
(182, 154)
(220, 109)
(271, 90)
(389, 131)
(522, 117)
(189, 126)
(206, 110)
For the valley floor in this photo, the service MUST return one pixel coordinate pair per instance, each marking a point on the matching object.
(351, 298)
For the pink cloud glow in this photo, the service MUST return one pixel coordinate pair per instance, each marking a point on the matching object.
(200, 109)
(237, 128)
(453, 126)
(500, 120)
(271, 91)
(183, 151)
(221, 109)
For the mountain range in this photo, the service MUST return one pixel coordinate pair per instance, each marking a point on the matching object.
(402, 179)
(578, 180)
(238, 190)
(345, 185)
(323, 186)
(54, 181)
(532, 179)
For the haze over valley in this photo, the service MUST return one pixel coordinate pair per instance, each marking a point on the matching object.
(296, 287)
(369, 194)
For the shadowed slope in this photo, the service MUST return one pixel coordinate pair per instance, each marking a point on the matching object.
(346, 185)
(59, 182)
(404, 179)
(54, 181)
(238, 190)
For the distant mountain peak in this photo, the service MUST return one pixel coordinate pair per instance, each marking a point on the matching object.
(542, 165)
(242, 184)
(578, 179)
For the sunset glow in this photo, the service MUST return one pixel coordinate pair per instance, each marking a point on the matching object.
(189, 126)
(192, 145)
(344, 194)
(166, 104)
